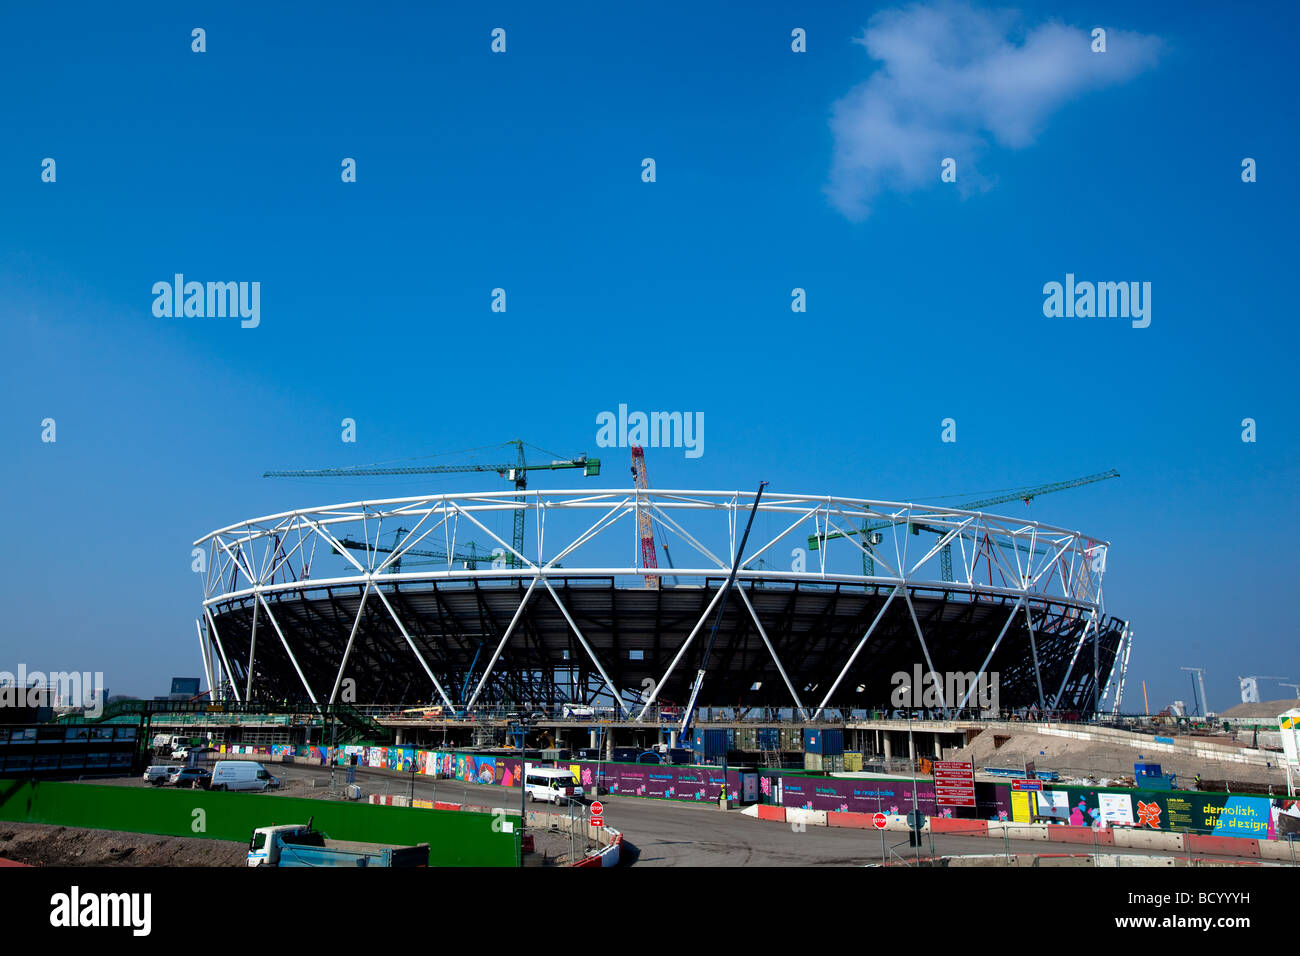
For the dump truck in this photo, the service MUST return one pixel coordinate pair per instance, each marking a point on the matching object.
(297, 844)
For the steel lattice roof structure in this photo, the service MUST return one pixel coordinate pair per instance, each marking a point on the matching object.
(290, 612)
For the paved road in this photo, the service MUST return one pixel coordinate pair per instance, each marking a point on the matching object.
(683, 834)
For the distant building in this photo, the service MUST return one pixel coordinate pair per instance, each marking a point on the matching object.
(184, 688)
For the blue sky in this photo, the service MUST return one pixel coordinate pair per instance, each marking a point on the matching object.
(522, 171)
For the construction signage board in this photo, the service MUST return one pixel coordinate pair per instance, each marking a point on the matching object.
(1026, 785)
(954, 783)
(1289, 724)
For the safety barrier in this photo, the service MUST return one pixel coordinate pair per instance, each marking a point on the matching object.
(1085, 835)
(1222, 846)
(1151, 840)
(858, 821)
(815, 818)
(963, 827)
(611, 840)
(1130, 837)
(1042, 860)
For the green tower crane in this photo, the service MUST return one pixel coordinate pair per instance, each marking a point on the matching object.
(870, 531)
(516, 471)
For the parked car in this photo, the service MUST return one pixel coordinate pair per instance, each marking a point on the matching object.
(242, 775)
(190, 777)
(181, 753)
(157, 774)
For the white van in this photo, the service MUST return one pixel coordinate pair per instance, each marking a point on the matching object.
(157, 774)
(578, 711)
(241, 775)
(552, 784)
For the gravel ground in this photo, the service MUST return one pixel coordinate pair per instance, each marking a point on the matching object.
(40, 845)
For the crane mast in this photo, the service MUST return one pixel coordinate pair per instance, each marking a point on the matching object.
(644, 525)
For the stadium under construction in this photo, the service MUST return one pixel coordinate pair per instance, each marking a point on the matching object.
(384, 602)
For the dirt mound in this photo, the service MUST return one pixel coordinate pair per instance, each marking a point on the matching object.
(40, 845)
(1266, 709)
(1098, 759)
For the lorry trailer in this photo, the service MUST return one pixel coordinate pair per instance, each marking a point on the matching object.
(297, 844)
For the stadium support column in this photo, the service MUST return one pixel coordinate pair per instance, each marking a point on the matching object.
(347, 651)
(252, 653)
(221, 648)
(206, 651)
(487, 672)
(654, 694)
(856, 651)
(889, 749)
(762, 632)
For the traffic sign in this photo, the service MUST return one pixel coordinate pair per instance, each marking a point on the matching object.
(880, 820)
(1026, 785)
(915, 819)
(954, 783)
(597, 814)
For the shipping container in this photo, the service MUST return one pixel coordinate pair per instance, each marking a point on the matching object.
(791, 738)
(818, 740)
(746, 738)
(823, 762)
(852, 760)
(769, 738)
(713, 742)
(679, 755)
(625, 754)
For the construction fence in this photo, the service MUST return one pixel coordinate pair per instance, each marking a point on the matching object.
(455, 839)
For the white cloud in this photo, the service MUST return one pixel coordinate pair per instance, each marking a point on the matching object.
(953, 78)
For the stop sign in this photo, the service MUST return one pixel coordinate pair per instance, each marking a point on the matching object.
(879, 820)
(597, 808)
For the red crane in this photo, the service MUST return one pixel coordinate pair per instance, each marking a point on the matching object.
(643, 523)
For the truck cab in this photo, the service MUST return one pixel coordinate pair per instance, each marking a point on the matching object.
(264, 847)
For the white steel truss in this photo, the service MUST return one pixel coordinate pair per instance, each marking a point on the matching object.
(585, 534)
